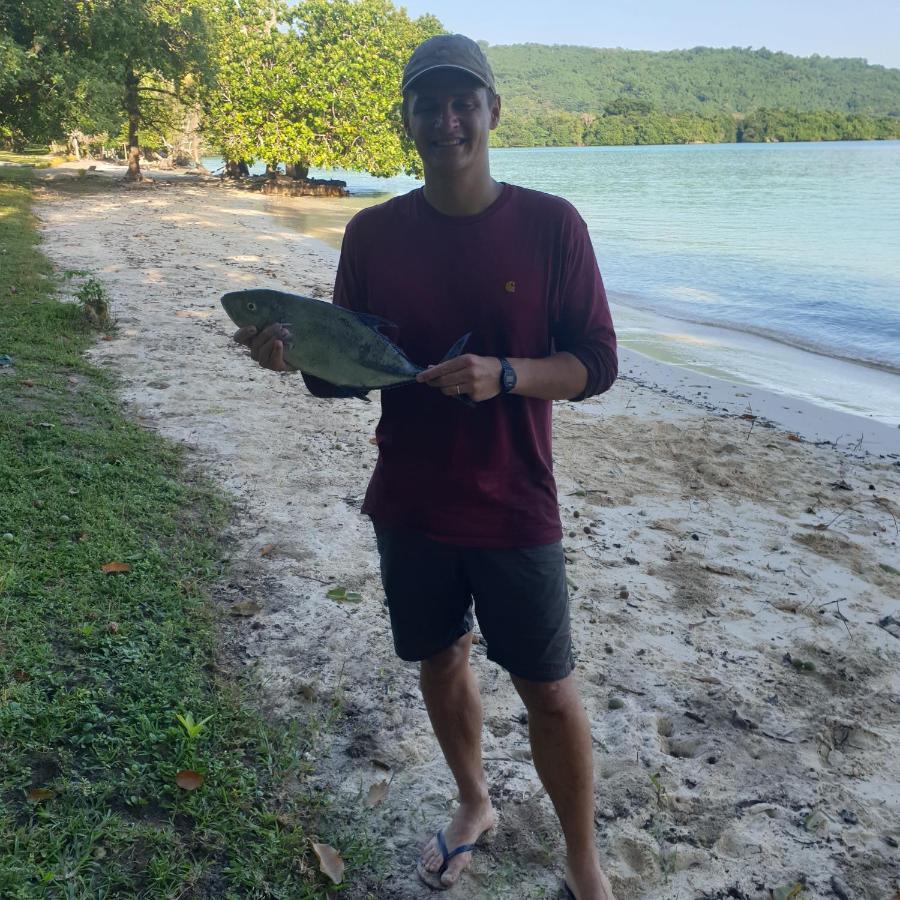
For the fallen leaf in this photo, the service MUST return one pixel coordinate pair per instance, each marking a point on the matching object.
(112, 567)
(193, 313)
(787, 892)
(27, 383)
(107, 337)
(35, 795)
(330, 862)
(245, 608)
(377, 793)
(21, 676)
(188, 779)
(749, 417)
(267, 550)
(373, 441)
(794, 437)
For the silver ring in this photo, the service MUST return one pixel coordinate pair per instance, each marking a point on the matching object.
(457, 390)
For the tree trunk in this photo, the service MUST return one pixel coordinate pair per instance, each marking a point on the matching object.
(296, 170)
(73, 141)
(133, 110)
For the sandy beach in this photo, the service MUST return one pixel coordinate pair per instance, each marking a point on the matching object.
(733, 566)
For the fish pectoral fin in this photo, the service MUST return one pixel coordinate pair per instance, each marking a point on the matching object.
(376, 322)
(457, 348)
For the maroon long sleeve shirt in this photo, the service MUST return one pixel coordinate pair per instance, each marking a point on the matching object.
(523, 279)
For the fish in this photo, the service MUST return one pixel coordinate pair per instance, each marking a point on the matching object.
(346, 348)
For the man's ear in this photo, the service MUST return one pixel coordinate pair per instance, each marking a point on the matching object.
(404, 116)
(495, 112)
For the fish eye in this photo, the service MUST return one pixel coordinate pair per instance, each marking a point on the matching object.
(251, 306)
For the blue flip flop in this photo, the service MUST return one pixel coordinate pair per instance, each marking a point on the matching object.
(433, 879)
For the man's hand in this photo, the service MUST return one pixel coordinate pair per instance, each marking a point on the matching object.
(476, 376)
(266, 346)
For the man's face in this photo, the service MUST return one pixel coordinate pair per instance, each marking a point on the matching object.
(448, 115)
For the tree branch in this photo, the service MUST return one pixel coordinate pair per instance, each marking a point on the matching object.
(157, 90)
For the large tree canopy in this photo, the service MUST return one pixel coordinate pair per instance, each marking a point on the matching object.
(316, 84)
(92, 65)
(48, 83)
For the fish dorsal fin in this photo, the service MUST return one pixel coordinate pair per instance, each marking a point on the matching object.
(376, 322)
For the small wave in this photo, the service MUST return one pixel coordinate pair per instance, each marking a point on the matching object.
(820, 348)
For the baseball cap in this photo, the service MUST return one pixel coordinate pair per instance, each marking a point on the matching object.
(448, 51)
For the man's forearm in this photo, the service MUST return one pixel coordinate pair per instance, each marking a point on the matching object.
(557, 377)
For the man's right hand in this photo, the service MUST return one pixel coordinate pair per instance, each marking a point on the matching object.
(266, 346)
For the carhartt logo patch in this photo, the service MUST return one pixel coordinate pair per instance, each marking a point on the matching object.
(510, 287)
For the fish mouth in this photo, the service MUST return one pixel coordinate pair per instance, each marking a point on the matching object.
(231, 303)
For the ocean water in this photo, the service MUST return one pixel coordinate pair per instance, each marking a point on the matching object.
(796, 243)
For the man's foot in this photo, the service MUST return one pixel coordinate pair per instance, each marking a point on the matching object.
(591, 883)
(467, 825)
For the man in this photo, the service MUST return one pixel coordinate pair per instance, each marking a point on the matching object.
(462, 498)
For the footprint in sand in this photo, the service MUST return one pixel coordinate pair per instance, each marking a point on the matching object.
(680, 748)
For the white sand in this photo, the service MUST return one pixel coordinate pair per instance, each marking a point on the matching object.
(705, 551)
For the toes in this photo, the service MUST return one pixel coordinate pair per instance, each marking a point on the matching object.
(431, 858)
(455, 868)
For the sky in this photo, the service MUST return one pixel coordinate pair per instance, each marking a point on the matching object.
(863, 28)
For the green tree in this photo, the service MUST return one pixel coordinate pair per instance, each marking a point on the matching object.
(49, 86)
(316, 84)
(152, 49)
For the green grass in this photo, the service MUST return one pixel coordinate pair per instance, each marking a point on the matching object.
(95, 667)
(34, 157)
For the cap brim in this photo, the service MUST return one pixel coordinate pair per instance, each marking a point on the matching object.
(407, 84)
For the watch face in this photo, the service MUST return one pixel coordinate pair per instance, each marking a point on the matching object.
(507, 377)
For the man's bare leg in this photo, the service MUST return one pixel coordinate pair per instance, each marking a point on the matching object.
(451, 696)
(561, 747)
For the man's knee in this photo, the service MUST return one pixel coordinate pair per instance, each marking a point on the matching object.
(549, 698)
(448, 662)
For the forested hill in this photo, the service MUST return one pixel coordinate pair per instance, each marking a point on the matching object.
(703, 80)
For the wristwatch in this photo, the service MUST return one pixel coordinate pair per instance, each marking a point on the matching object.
(507, 376)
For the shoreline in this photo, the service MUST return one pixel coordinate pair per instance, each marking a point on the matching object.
(663, 351)
(733, 590)
(706, 351)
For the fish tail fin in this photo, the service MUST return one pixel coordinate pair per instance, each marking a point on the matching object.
(457, 348)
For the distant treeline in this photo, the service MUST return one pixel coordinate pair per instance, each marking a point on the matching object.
(704, 80)
(619, 126)
(563, 96)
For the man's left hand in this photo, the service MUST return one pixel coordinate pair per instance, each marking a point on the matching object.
(476, 376)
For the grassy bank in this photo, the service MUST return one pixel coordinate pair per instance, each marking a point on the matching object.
(97, 666)
(35, 157)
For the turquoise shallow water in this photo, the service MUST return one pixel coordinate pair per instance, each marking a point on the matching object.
(796, 242)
(800, 242)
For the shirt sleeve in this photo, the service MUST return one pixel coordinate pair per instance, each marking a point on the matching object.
(583, 324)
